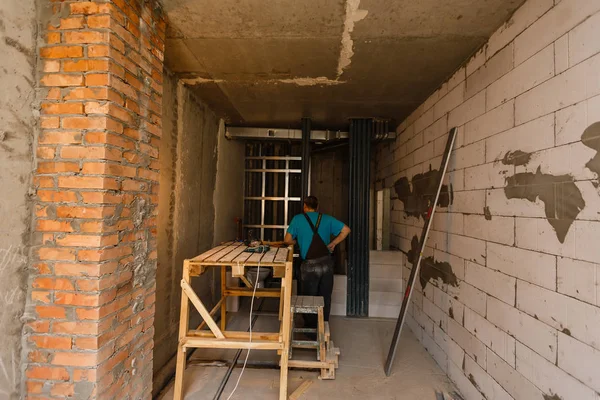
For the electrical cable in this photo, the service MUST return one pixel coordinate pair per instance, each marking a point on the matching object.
(250, 330)
(235, 360)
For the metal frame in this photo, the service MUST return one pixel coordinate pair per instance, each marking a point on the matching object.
(264, 198)
(244, 133)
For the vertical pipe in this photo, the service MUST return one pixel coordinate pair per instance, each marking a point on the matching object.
(306, 128)
(361, 132)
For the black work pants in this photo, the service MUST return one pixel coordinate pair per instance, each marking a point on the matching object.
(316, 279)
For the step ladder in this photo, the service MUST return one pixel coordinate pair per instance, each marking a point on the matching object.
(327, 353)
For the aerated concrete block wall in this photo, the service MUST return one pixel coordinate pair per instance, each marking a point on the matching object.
(508, 301)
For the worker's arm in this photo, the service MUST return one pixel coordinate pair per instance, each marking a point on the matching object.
(339, 238)
(289, 240)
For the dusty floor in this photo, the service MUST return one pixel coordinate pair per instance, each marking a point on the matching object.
(363, 344)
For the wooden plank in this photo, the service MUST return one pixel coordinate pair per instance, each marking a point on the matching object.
(214, 258)
(246, 281)
(210, 252)
(282, 255)
(187, 289)
(301, 389)
(212, 343)
(243, 292)
(197, 270)
(242, 258)
(295, 301)
(269, 256)
(184, 321)
(238, 270)
(231, 256)
(274, 336)
(212, 312)
(321, 339)
(286, 331)
(318, 301)
(223, 297)
(308, 364)
(278, 271)
(263, 257)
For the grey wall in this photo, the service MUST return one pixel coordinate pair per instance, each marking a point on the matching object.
(229, 192)
(329, 182)
(186, 218)
(17, 95)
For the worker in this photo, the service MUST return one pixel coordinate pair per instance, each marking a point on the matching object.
(316, 270)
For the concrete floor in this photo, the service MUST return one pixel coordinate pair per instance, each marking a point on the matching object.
(363, 343)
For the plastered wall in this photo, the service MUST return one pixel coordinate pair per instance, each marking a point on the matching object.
(201, 194)
(17, 127)
(508, 298)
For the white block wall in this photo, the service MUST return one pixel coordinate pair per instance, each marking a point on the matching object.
(524, 321)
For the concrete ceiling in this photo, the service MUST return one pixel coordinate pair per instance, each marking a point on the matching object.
(271, 62)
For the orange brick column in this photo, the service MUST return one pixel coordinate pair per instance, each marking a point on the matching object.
(91, 305)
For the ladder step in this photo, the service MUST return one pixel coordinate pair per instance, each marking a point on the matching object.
(305, 343)
(307, 304)
(305, 330)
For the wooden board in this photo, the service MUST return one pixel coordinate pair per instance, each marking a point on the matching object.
(282, 255)
(231, 256)
(237, 335)
(242, 258)
(187, 289)
(307, 304)
(244, 292)
(208, 343)
(210, 252)
(235, 255)
(301, 389)
(267, 257)
(214, 258)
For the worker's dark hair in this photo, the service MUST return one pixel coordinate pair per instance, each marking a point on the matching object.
(311, 202)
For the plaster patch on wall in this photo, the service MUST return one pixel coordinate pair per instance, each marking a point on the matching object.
(417, 200)
(562, 199)
(430, 268)
(516, 158)
(310, 81)
(591, 138)
(353, 15)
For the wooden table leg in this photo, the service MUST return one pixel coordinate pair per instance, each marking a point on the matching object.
(281, 297)
(224, 303)
(287, 322)
(183, 329)
(321, 338)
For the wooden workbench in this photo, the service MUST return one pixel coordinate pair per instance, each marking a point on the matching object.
(233, 255)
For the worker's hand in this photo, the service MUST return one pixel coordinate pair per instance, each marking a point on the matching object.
(331, 247)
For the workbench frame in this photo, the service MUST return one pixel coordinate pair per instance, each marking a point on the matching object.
(232, 255)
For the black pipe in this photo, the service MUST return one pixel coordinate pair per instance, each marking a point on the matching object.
(361, 133)
(306, 127)
(235, 358)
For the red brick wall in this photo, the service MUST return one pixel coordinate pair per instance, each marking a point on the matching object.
(92, 288)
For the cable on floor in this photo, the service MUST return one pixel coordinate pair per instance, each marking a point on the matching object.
(250, 329)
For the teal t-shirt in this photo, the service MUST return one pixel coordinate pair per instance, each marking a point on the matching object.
(302, 232)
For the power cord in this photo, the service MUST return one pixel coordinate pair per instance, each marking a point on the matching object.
(250, 330)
